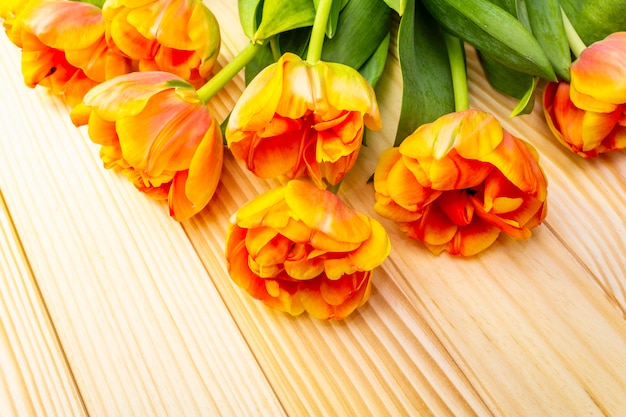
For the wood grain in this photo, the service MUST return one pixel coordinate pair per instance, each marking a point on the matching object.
(35, 377)
(143, 329)
(123, 311)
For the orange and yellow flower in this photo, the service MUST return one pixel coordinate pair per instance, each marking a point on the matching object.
(153, 127)
(177, 36)
(458, 182)
(10, 11)
(64, 47)
(299, 248)
(589, 114)
(296, 118)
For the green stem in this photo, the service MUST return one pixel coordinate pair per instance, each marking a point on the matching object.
(318, 32)
(575, 43)
(223, 77)
(334, 188)
(456, 56)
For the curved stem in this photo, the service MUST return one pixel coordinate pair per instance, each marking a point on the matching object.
(575, 43)
(456, 56)
(223, 77)
(318, 32)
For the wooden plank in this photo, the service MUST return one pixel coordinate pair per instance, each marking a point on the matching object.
(587, 196)
(513, 325)
(144, 330)
(527, 328)
(35, 378)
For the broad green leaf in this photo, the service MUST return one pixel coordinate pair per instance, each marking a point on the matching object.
(427, 91)
(493, 30)
(397, 5)
(362, 26)
(505, 79)
(373, 68)
(249, 16)
(262, 59)
(596, 19)
(282, 15)
(546, 24)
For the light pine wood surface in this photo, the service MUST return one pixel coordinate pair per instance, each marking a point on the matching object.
(108, 307)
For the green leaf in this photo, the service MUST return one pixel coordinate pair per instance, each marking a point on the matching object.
(362, 26)
(397, 5)
(493, 30)
(262, 59)
(282, 15)
(427, 91)
(546, 23)
(249, 16)
(505, 79)
(527, 102)
(596, 19)
(373, 68)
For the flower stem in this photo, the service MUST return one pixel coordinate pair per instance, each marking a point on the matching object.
(575, 43)
(456, 56)
(334, 188)
(318, 32)
(223, 77)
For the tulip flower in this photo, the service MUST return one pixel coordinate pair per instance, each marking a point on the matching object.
(155, 129)
(589, 115)
(177, 36)
(458, 182)
(10, 10)
(64, 47)
(296, 118)
(299, 248)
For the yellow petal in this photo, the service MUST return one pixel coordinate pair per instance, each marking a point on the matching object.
(323, 211)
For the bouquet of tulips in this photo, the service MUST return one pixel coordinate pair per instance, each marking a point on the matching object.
(140, 75)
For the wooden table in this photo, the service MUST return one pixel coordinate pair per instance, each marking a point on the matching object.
(110, 308)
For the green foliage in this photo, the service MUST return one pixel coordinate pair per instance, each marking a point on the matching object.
(427, 91)
(494, 32)
(261, 19)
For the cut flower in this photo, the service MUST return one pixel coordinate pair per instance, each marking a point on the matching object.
(589, 115)
(299, 248)
(458, 182)
(177, 36)
(297, 118)
(64, 47)
(153, 127)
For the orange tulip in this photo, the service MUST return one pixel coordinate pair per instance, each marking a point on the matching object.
(10, 11)
(458, 182)
(64, 47)
(177, 36)
(153, 127)
(299, 248)
(296, 118)
(589, 115)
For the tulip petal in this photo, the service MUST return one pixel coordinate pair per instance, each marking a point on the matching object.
(373, 251)
(600, 70)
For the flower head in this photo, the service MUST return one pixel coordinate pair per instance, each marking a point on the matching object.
(299, 248)
(589, 115)
(64, 47)
(458, 182)
(177, 36)
(10, 11)
(155, 130)
(297, 118)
